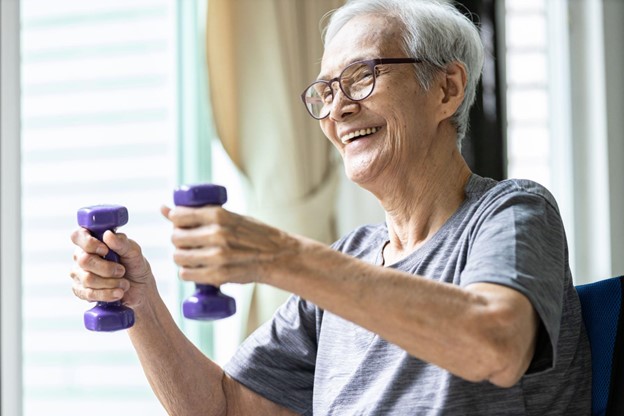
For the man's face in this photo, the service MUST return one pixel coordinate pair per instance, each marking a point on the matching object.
(398, 114)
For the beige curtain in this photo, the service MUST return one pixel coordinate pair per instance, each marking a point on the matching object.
(261, 54)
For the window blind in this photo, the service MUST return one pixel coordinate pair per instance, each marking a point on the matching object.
(528, 135)
(98, 126)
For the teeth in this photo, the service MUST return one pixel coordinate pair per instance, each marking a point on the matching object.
(358, 133)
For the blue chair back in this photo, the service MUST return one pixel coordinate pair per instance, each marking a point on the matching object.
(601, 305)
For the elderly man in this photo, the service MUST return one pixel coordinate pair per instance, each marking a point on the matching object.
(461, 303)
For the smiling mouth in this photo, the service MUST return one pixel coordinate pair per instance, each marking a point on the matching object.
(358, 134)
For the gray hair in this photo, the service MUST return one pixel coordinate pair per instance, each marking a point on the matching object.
(433, 30)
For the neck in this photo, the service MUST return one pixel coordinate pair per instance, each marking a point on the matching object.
(419, 202)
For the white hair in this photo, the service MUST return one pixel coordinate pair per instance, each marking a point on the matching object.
(435, 31)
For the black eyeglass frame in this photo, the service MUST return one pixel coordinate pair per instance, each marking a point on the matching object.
(371, 63)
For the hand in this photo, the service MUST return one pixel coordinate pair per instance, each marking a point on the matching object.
(215, 246)
(96, 279)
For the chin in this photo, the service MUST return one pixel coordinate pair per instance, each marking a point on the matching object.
(365, 170)
(358, 176)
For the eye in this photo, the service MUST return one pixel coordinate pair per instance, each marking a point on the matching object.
(327, 95)
(357, 73)
(320, 91)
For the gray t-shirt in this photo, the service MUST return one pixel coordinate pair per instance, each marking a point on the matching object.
(508, 233)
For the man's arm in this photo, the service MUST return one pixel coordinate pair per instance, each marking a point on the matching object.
(183, 378)
(481, 332)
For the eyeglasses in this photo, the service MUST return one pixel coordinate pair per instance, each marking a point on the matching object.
(356, 81)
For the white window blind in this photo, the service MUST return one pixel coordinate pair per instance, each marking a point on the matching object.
(528, 135)
(98, 126)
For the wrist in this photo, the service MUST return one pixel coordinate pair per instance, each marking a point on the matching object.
(147, 306)
(299, 262)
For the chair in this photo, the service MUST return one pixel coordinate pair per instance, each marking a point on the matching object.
(603, 314)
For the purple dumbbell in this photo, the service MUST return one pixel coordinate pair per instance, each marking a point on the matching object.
(106, 316)
(207, 303)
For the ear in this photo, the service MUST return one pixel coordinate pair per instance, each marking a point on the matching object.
(452, 88)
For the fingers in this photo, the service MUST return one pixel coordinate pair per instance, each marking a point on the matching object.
(93, 263)
(92, 287)
(216, 265)
(97, 279)
(204, 275)
(165, 210)
(82, 238)
(118, 242)
(187, 217)
(214, 246)
(199, 257)
(97, 295)
(209, 235)
(215, 276)
(216, 227)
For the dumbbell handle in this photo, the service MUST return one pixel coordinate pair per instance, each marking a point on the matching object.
(208, 302)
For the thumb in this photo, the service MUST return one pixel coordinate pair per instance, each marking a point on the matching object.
(131, 256)
(118, 242)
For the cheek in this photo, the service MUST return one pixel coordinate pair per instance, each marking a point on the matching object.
(397, 131)
(329, 131)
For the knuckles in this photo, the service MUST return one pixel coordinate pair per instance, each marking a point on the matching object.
(187, 217)
(180, 257)
(99, 295)
(201, 257)
(204, 275)
(84, 259)
(186, 274)
(203, 236)
(88, 280)
(220, 215)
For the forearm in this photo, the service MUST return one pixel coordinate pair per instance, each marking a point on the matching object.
(402, 308)
(464, 331)
(185, 381)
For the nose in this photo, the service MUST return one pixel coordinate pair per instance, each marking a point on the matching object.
(342, 106)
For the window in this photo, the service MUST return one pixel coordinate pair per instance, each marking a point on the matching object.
(528, 137)
(99, 122)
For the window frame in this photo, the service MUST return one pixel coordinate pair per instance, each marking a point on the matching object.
(10, 208)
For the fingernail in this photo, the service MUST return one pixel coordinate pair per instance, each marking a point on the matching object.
(119, 270)
(118, 293)
(101, 251)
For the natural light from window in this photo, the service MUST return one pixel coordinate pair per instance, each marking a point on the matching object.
(98, 126)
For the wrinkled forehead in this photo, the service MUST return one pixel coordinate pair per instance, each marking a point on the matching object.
(363, 37)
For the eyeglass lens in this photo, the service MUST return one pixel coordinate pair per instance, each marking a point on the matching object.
(356, 82)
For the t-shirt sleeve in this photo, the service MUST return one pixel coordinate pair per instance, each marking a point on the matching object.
(520, 242)
(277, 361)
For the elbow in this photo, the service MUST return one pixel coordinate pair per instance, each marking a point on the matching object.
(503, 325)
(501, 369)
(507, 347)
(507, 375)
